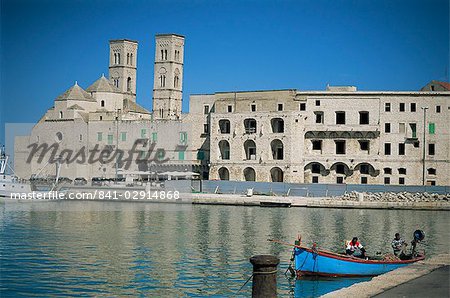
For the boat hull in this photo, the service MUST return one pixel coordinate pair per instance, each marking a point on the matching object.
(320, 263)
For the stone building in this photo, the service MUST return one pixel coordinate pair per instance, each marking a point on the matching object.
(339, 135)
(106, 117)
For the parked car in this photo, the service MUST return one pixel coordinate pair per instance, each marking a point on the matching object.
(80, 181)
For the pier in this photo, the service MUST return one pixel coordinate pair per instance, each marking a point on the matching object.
(428, 278)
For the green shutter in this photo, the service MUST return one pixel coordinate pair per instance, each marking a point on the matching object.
(124, 136)
(99, 136)
(180, 155)
(110, 139)
(200, 155)
(183, 137)
(431, 128)
(143, 133)
(154, 137)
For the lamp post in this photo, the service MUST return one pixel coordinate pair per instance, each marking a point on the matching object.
(424, 144)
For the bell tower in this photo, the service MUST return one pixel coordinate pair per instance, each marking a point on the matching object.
(168, 76)
(123, 65)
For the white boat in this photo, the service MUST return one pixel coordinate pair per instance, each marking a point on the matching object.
(10, 184)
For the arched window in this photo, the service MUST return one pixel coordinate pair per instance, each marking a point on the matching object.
(224, 174)
(250, 150)
(60, 115)
(128, 58)
(249, 174)
(277, 125)
(175, 81)
(431, 171)
(131, 59)
(129, 84)
(102, 103)
(224, 126)
(276, 174)
(277, 149)
(250, 125)
(224, 150)
(165, 54)
(115, 58)
(118, 58)
(162, 54)
(162, 80)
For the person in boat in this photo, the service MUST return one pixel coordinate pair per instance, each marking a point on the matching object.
(354, 246)
(398, 245)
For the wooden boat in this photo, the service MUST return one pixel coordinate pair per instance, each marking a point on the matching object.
(311, 261)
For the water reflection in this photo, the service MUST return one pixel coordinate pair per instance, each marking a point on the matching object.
(200, 251)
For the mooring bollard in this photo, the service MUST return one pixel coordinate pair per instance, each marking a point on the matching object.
(264, 275)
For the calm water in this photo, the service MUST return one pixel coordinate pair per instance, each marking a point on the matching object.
(201, 251)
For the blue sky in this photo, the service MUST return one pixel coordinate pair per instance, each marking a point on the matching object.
(230, 45)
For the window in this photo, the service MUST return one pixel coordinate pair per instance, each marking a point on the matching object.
(224, 149)
(387, 180)
(431, 182)
(315, 168)
(129, 84)
(402, 171)
(339, 180)
(431, 128)
(402, 107)
(340, 169)
(224, 126)
(431, 171)
(340, 117)
(123, 136)
(401, 149)
(277, 149)
(183, 137)
(364, 169)
(253, 107)
(438, 109)
(250, 126)
(387, 107)
(180, 155)
(206, 109)
(319, 117)
(387, 171)
(363, 180)
(387, 148)
(81, 138)
(303, 106)
(143, 133)
(340, 147)
(102, 103)
(316, 144)
(413, 127)
(110, 139)
(387, 127)
(363, 118)
(250, 150)
(413, 107)
(277, 125)
(99, 136)
(401, 180)
(160, 153)
(317, 103)
(154, 137)
(229, 108)
(101, 118)
(402, 128)
(280, 107)
(206, 128)
(364, 145)
(60, 115)
(431, 149)
(162, 80)
(315, 179)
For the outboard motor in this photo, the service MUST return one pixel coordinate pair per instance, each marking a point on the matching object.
(418, 235)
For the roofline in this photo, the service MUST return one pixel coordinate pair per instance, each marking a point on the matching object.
(349, 93)
(169, 34)
(125, 39)
(248, 91)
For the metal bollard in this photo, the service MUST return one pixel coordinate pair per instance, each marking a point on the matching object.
(264, 275)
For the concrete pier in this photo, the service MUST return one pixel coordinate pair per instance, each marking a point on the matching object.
(428, 278)
(315, 202)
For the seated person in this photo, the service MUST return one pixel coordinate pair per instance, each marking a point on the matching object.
(398, 245)
(353, 246)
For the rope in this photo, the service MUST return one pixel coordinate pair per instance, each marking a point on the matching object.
(244, 284)
(256, 273)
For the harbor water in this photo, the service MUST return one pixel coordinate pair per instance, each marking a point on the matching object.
(83, 248)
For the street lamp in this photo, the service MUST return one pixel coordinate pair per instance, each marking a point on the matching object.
(424, 144)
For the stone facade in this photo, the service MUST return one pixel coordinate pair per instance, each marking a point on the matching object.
(340, 135)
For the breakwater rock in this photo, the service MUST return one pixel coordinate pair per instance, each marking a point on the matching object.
(394, 197)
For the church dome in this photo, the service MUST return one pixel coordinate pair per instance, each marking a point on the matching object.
(103, 85)
(75, 93)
